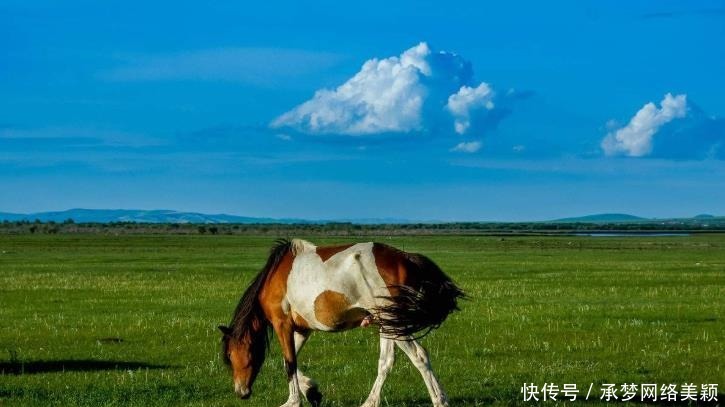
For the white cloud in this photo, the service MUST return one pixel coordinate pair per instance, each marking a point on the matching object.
(385, 96)
(399, 94)
(467, 147)
(635, 139)
(468, 99)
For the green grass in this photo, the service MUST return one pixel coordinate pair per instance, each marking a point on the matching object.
(542, 309)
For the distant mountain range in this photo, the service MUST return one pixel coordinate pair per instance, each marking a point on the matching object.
(140, 216)
(604, 217)
(626, 218)
(169, 216)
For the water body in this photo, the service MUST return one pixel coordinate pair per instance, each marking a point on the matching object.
(634, 234)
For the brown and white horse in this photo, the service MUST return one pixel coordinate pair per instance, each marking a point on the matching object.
(305, 288)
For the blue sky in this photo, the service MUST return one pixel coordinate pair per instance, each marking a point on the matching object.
(416, 110)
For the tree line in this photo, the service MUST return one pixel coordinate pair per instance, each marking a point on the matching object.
(344, 229)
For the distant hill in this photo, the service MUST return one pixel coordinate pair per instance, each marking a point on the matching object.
(170, 216)
(604, 218)
(140, 216)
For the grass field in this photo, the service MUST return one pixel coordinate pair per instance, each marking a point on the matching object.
(131, 320)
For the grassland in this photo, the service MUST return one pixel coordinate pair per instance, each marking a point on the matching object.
(131, 320)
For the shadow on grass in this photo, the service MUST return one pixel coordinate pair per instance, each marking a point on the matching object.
(50, 366)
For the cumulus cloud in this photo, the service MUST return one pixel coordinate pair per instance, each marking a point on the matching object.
(385, 96)
(419, 90)
(467, 147)
(635, 139)
(466, 101)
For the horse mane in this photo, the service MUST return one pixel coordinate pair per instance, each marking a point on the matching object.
(249, 311)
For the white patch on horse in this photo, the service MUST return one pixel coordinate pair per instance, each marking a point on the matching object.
(351, 272)
(300, 246)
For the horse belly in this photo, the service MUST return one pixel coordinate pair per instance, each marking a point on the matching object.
(329, 307)
(337, 294)
(333, 311)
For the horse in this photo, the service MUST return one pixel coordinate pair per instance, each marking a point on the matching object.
(304, 288)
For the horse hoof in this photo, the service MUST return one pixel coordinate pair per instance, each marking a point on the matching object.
(314, 396)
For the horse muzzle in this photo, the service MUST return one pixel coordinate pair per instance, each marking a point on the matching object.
(242, 392)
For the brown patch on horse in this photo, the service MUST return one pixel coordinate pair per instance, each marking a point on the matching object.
(333, 310)
(325, 252)
(391, 267)
(330, 306)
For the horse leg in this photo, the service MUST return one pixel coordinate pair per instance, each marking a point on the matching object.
(419, 356)
(307, 385)
(285, 334)
(385, 363)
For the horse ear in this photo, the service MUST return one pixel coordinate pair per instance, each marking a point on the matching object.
(225, 330)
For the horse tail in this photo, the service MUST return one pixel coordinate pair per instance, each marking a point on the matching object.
(420, 305)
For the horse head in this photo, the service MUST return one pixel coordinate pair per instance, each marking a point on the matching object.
(245, 355)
